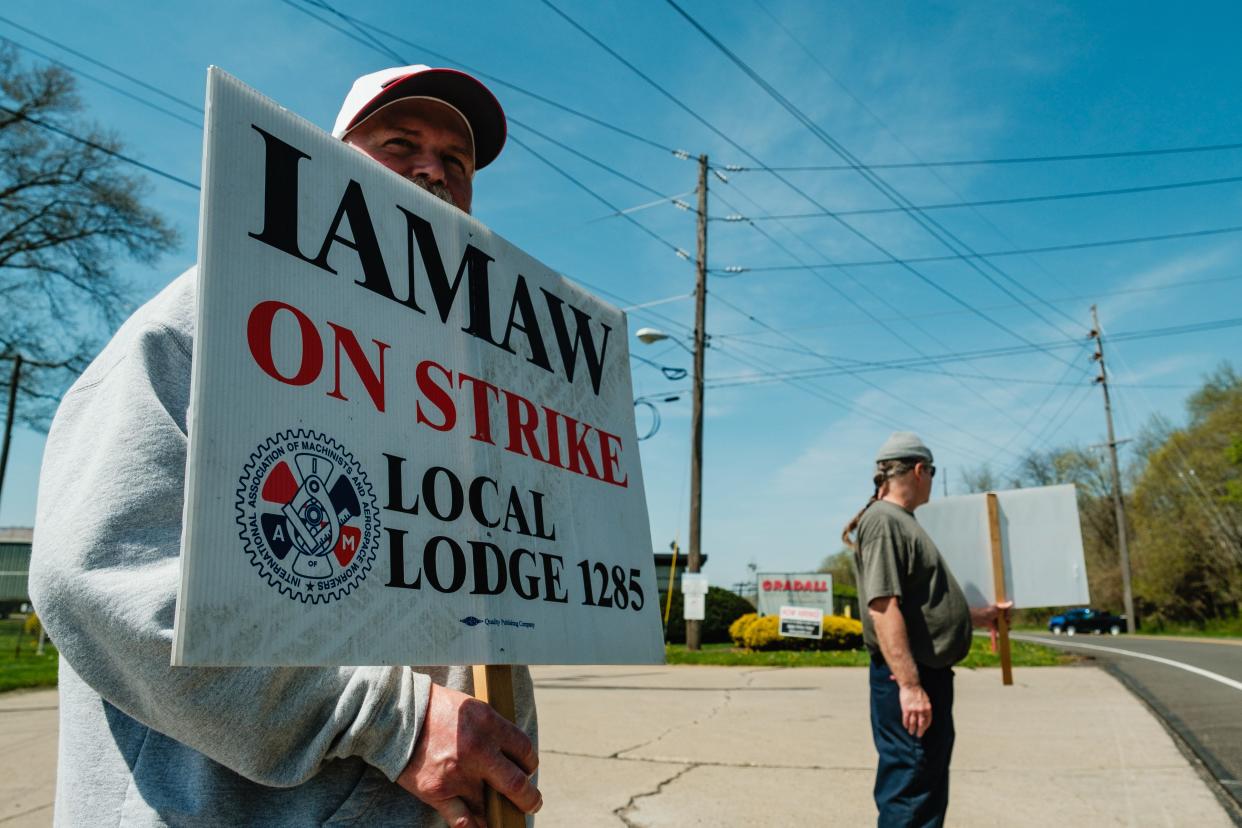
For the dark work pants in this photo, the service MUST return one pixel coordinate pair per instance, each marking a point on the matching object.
(912, 780)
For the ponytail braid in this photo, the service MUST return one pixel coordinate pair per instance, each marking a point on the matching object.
(883, 471)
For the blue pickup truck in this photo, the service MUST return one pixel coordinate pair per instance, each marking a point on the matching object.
(1083, 619)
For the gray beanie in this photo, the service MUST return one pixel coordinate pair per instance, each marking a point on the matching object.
(901, 445)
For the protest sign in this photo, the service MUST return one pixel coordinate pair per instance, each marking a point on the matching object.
(803, 589)
(802, 622)
(1040, 545)
(410, 442)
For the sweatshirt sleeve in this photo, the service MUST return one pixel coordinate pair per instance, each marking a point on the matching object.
(104, 578)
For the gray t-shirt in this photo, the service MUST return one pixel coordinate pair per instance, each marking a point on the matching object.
(896, 557)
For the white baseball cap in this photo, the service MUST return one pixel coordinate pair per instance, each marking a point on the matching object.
(475, 103)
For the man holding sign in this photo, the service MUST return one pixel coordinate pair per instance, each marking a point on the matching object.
(917, 625)
(144, 743)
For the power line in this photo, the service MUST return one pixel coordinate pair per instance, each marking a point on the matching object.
(1061, 383)
(871, 211)
(386, 32)
(684, 107)
(983, 353)
(851, 407)
(1052, 427)
(368, 41)
(841, 364)
(934, 172)
(1056, 248)
(102, 82)
(103, 65)
(1059, 299)
(595, 162)
(977, 162)
(97, 146)
(675, 200)
(577, 183)
(803, 348)
(1037, 411)
(933, 227)
(896, 334)
(127, 159)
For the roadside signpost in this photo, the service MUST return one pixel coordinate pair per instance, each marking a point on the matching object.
(410, 442)
(694, 596)
(1023, 545)
(802, 622)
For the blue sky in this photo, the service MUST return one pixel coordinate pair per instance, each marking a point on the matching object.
(786, 464)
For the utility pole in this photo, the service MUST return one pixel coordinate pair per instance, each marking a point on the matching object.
(693, 628)
(1118, 503)
(8, 419)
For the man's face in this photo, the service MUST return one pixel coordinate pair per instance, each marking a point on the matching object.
(923, 476)
(425, 141)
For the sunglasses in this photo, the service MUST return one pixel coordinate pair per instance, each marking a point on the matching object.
(931, 470)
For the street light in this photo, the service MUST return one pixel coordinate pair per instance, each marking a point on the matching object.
(647, 336)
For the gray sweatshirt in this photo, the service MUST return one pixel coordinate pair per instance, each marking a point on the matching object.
(143, 743)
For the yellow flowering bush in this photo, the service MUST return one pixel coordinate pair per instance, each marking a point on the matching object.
(844, 633)
(737, 630)
(763, 633)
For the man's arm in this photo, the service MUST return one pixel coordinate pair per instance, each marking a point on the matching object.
(890, 629)
(104, 580)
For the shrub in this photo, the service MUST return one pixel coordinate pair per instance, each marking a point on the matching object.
(842, 633)
(755, 633)
(764, 634)
(723, 608)
(737, 630)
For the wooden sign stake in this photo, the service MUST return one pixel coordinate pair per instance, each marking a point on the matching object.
(493, 684)
(998, 582)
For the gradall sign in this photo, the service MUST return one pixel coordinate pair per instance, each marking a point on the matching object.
(410, 442)
(801, 589)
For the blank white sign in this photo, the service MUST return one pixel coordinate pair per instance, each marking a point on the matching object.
(1041, 543)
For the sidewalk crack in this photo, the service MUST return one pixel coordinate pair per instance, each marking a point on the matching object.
(724, 702)
(623, 813)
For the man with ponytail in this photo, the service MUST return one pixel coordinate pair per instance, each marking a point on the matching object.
(917, 625)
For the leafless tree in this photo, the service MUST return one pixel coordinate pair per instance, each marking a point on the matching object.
(69, 213)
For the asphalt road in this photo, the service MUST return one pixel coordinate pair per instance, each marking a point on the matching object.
(1206, 710)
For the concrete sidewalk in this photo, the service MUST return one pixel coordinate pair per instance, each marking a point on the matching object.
(27, 757)
(722, 746)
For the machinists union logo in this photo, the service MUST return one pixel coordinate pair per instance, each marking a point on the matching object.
(307, 515)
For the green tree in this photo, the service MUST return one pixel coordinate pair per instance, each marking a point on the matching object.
(69, 212)
(1183, 504)
(840, 565)
(1188, 522)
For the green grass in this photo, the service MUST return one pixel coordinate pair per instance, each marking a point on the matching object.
(24, 669)
(1216, 628)
(1024, 655)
